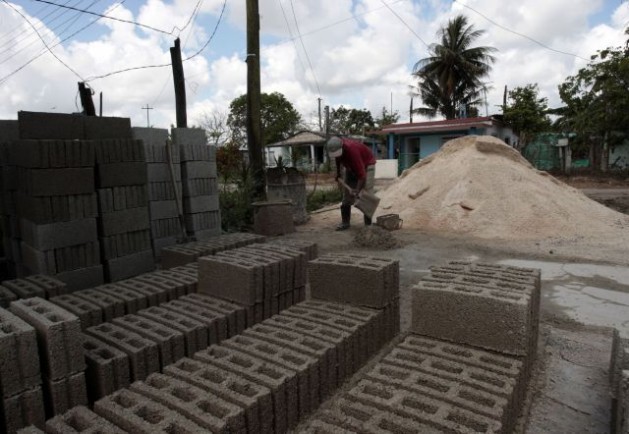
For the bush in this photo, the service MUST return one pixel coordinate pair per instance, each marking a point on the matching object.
(235, 202)
(323, 197)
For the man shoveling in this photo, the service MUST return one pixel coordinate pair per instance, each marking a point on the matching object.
(359, 164)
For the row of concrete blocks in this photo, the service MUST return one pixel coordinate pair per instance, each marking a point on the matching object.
(619, 382)
(262, 381)
(37, 285)
(254, 274)
(494, 307)
(429, 385)
(41, 348)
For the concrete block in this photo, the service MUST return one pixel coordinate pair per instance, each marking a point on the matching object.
(273, 218)
(198, 170)
(23, 288)
(129, 266)
(103, 127)
(9, 130)
(111, 307)
(195, 332)
(6, 297)
(143, 353)
(167, 228)
(89, 313)
(234, 314)
(479, 316)
(53, 209)
(170, 342)
(59, 260)
(57, 182)
(309, 247)
(44, 154)
(255, 400)
(132, 300)
(109, 151)
(56, 235)
(164, 190)
(163, 209)
(24, 409)
(161, 243)
(125, 244)
(31, 429)
(200, 187)
(39, 125)
(280, 381)
(200, 204)
(124, 197)
(80, 419)
(63, 394)
(192, 142)
(135, 413)
(19, 369)
(129, 220)
(151, 137)
(155, 295)
(121, 174)
(173, 288)
(231, 279)
(107, 368)
(210, 412)
(58, 333)
(53, 287)
(203, 221)
(87, 277)
(161, 172)
(215, 323)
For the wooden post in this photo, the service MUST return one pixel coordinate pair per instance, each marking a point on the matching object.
(86, 100)
(180, 85)
(254, 123)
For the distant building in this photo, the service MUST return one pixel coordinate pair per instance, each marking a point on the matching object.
(410, 142)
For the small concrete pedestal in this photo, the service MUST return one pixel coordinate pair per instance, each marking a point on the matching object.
(273, 218)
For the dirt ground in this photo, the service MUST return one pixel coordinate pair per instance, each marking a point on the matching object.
(585, 292)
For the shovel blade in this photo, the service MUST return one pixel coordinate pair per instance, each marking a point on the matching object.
(367, 203)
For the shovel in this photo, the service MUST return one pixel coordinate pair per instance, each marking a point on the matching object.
(366, 202)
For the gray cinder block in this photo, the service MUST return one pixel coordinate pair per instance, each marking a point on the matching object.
(195, 332)
(23, 288)
(57, 182)
(128, 220)
(198, 170)
(235, 314)
(231, 279)
(107, 368)
(58, 333)
(57, 235)
(24, 409)
(87, 277)
(39, 125)
(64, 393)
(129, 266)
(154, 137)
(80, 419)
(89, 313)
(103, 127)
(52, 286)
(121, 174)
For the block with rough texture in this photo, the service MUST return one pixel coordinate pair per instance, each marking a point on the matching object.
(23, 288)
(122, 221)
(137, 414)
(216, 323)
(57, 182)
(89, 313)
(211, 412)
(195, 333)
(80, 419)
(36, 125)
(58, 333)
(231, 279)
(125, 267)
(52, 286)
(54, 209)
(19, 369)
(273, 218)
(6, 296)
(309, 247)
(155, 295)
(121, 173)
(235, 314)
(133, 300)
(254, 399)
(170, 342)
(64, 393)
(111, 307)
(23, 409)
(82, 278)
(107, 368)
(143, 354)
(56, 235)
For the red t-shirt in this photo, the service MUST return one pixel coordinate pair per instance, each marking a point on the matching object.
(356, 157)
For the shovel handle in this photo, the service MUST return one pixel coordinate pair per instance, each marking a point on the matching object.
(343, 184)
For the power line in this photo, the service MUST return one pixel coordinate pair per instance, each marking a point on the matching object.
(290, 32)
(135, 23)
(541, 44)
(404, 22)
(304, 47)
(43, 41)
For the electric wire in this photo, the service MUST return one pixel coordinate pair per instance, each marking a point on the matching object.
(405, 24)
(304, 47)
(290, 33)
(11, 36)
(43, 41)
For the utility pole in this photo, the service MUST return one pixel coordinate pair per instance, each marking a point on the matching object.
(320, 126)
(148, 122)
(254, 123)
(86, 99)
(180, 85)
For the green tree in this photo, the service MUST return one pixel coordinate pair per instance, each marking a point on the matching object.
(596, 104)
(279, 118)
(450, 78)
(387, 118)
(526, 112)
(350, 121)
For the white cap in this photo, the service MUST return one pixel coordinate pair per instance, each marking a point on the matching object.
(335, 147)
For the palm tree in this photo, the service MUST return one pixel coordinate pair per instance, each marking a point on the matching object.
(452, 74)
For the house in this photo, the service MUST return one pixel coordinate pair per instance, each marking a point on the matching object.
(410, 142)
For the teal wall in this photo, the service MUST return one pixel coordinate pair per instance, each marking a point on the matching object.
(429, 145)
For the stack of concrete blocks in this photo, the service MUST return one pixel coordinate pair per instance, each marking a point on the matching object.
(37, 285)
(11, 253)
(619, 381)
(124, 225)
(273, 218)
(310, 248)
(57, 209)
(60, 350)
(20, 378)
(429, 385)
(164, 186)
(359, 281)
(265, 278)
(200, 184)
(81, 420)
(183, 254)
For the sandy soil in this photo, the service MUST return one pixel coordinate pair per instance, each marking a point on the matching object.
(569, 392)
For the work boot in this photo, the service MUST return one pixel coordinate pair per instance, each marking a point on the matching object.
(367, 220)
(346, 215)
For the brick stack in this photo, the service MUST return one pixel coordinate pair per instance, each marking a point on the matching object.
(360, 281)
(164, 187)
(124, 225)
(60, 349)
(200, 185)
(183, 254)
(20, 378)
(37, 285)
(265, 278)
(57, 210)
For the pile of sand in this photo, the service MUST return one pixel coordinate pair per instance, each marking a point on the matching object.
(479, 186)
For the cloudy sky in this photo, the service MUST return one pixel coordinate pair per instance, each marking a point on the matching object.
(357, 53)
